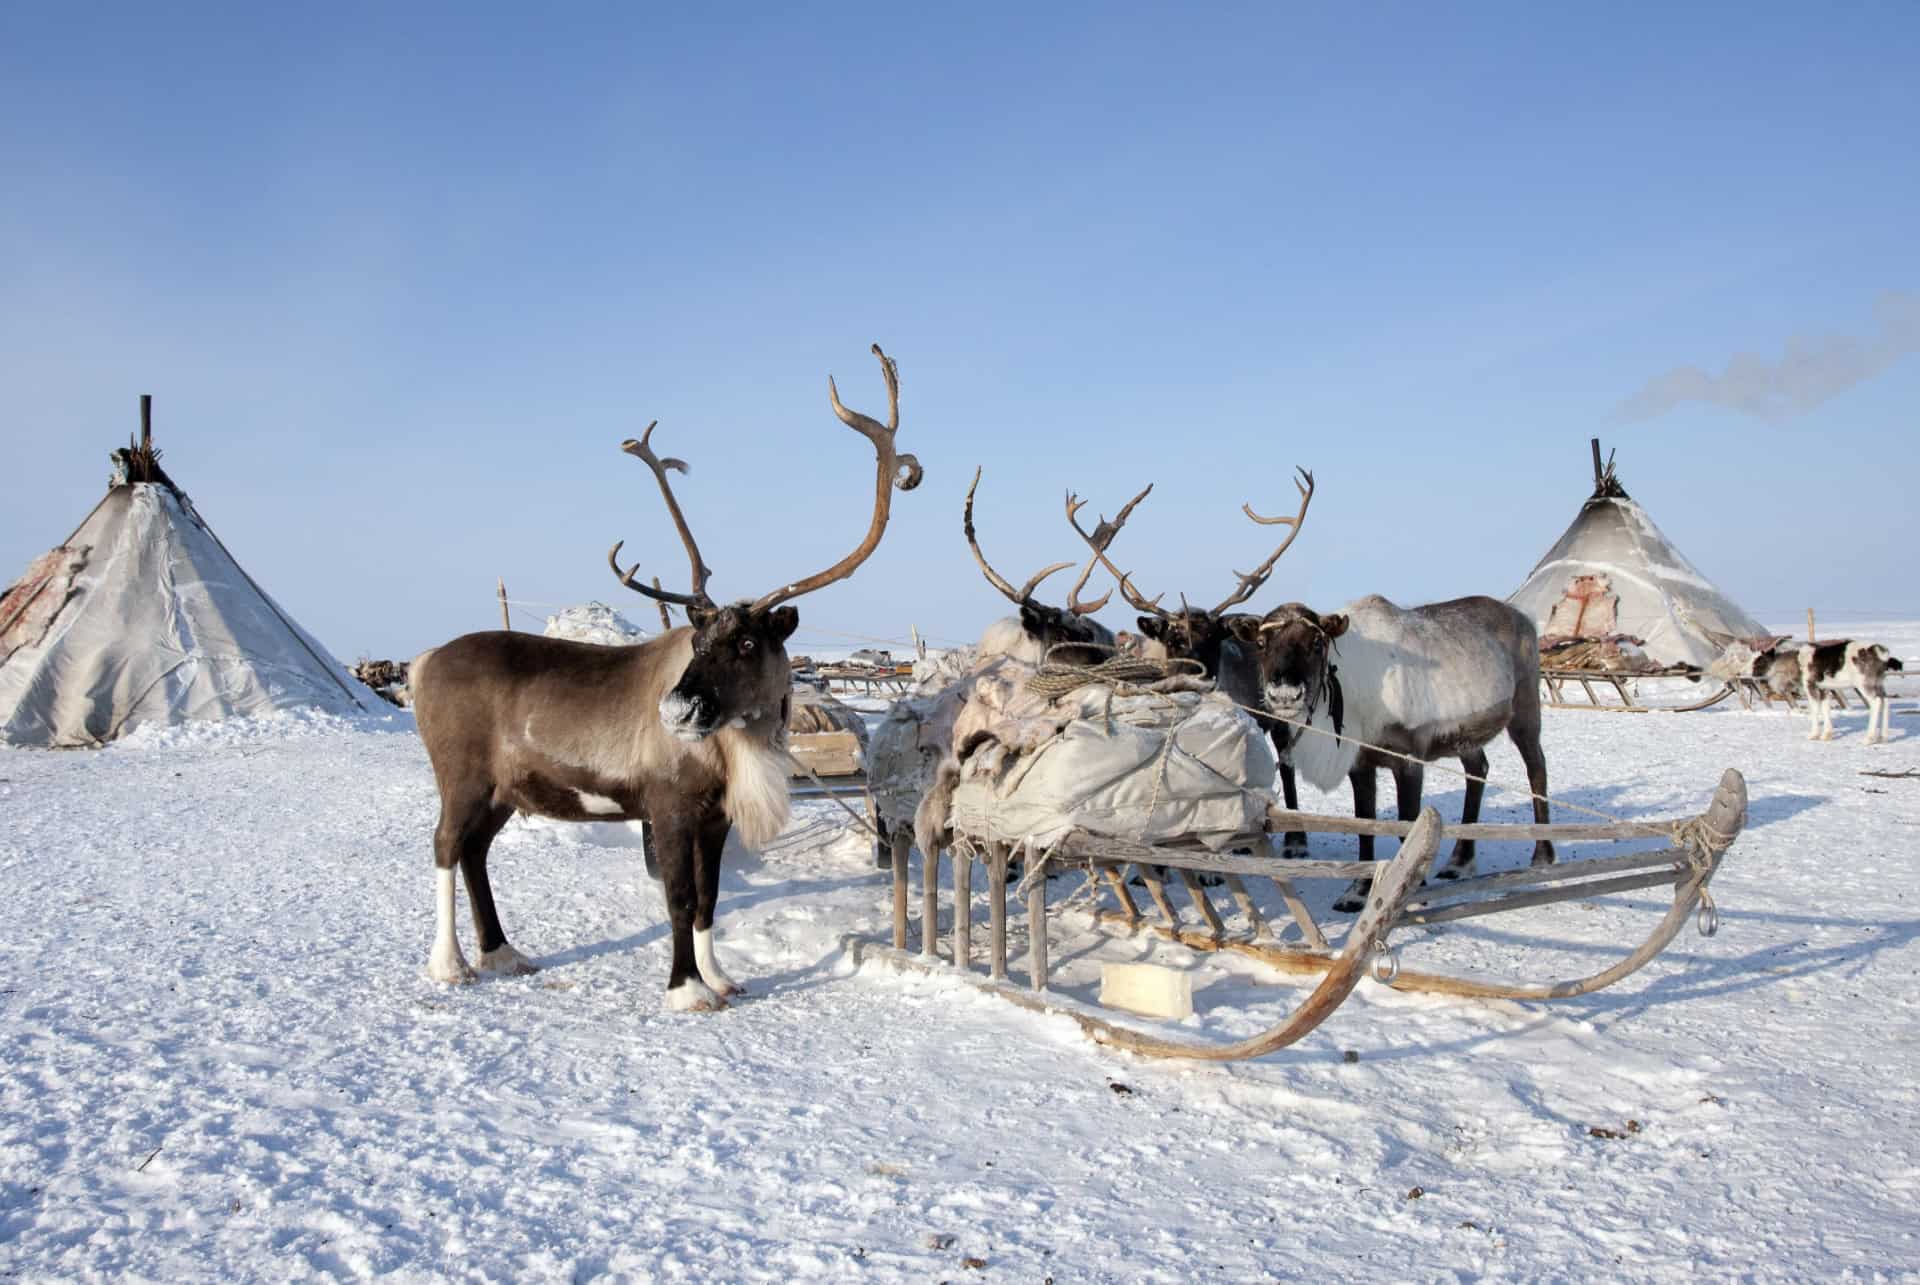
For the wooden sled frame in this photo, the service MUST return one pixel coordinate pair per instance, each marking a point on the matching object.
(1554, 684)
(1696, 847)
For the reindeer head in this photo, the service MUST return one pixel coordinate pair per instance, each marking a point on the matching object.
(738, 674)
(1068, 635)
(1195, 633)
(1292, 647)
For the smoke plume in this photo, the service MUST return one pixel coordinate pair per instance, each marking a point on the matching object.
(1813, 369)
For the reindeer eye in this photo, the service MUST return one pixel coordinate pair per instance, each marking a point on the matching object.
(746, 645)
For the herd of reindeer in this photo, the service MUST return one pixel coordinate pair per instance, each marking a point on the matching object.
(687, 730)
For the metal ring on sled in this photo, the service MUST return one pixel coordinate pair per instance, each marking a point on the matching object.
(1397, 897)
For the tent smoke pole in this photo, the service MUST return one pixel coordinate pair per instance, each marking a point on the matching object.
(506, 621)
(1809, 624)
(146, 424)
(1598, 480)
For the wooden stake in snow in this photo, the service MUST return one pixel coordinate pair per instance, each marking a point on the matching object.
(506, 621)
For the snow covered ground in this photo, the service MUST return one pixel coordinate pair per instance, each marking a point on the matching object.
(220, 1058)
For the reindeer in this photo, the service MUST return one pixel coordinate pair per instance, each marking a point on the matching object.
(1207, 637)
(1421, 683)
(1040, 633)
(1843, 663)
(686, 731)
(1072, 635)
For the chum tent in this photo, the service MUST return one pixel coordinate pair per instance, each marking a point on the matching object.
(1613, 572)
(142, 616)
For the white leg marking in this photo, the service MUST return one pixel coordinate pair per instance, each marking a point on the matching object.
(446, 963)
(504, 961)
(710, 971)
(692, 996)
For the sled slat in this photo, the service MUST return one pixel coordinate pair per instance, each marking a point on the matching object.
(997, 912)
(1279, 819)
(901, 843)
(1208, 915)
(962, 911)
(930, 904)
(1559, 872)
(1544, 897)
(1243, 899)
(1309, 928)
(1037, 935)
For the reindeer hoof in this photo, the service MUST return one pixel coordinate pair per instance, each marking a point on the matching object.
(1294, 845)
(694, 996)
(505, 961)
(1349, 904)
(453, 971)
(1450, 872)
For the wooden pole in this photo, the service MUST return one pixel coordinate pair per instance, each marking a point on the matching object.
(666, 621)
(930, 903)
(901, 842)
(1037, 934)
(506, 621)
(1809, 624)
(1597, 474)
(962, 909)
(146, 424)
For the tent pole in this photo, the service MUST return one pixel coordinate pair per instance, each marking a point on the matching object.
(506, 621)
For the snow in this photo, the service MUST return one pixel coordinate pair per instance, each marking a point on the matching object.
(223, 1057)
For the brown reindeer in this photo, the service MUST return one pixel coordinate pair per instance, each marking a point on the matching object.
(1072, 635)
(686, 731)
(1207, 636)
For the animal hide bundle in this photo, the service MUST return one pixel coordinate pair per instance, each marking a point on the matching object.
(1172, 762)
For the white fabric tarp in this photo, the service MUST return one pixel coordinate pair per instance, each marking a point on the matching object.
(1652, 591)
(153, 622)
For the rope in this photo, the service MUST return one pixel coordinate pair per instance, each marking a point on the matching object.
(1053, 680)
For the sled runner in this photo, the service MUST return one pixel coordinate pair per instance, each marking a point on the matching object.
(1691, 851)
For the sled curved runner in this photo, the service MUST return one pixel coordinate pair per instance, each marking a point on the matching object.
(1695, 848)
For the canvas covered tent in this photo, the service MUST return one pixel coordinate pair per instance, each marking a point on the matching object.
(1613, 572)
(142, 616)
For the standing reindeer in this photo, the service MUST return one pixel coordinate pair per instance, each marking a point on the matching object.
(1421, 683)
(1040, 628)
(686, 731)
(1208, 637)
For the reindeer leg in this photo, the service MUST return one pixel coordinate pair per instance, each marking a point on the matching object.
(676, 838)
(459, 818)
(497, 955)
(1523, 729)
(1461, 862)
(706, 856)
(1364, 798)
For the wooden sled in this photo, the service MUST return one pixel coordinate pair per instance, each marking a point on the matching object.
(1686, 863)
(1557, 686)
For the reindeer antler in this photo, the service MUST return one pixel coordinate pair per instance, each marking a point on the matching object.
(698, 596)
(1137, 600)
(893, 469)
(1024, 593)
(1101, 538)
(1251, 582)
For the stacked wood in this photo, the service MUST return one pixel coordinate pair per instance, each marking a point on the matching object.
(825, 735)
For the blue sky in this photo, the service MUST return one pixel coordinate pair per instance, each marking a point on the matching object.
(401, 278)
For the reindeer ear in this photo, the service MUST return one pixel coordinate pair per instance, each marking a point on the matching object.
(1333, 626)
(1154, 628)
(700, 617)
(781, 622)
(1245, 629)
(1037, 619)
